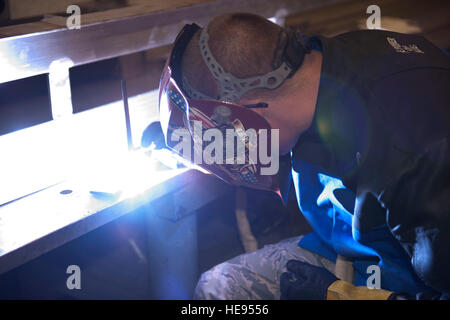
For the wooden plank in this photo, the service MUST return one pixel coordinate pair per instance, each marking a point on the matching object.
(137, 10)
(96, 17)
(20, 9)
(26, 28)
(339, 11)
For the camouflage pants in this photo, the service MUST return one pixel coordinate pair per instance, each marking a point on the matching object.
(255, 275)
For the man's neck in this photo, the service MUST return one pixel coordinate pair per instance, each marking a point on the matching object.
(302, 102)
(309, 79)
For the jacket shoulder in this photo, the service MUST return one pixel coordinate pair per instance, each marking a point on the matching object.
(380, 53)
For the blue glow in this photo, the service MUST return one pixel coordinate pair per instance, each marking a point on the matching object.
(331, 184)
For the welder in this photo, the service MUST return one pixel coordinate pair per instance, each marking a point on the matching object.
(364, 122)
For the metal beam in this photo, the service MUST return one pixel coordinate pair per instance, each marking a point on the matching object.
(31, 54)
(39, 223)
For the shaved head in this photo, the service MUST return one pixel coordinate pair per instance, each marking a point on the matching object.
(243, 44)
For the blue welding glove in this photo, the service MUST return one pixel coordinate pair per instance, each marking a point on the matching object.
(303, 281)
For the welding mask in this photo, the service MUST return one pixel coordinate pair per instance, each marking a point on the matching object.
(193, 123)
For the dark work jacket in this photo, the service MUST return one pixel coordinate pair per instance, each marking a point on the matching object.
(381, 125)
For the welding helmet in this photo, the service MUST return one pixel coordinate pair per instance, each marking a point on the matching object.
(184, 109)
